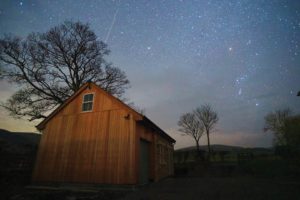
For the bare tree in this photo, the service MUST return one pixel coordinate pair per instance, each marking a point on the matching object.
(209, 118)
(49, 67)
(276, 122)
(191, 126)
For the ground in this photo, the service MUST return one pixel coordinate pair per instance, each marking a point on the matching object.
(182, 188)
(219, 188)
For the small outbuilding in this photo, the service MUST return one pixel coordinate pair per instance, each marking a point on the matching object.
(94, 138)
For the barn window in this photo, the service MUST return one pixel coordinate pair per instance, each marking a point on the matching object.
(87, 104)
(162, 153)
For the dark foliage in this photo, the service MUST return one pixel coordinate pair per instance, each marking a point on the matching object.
(286, 129)
(276, 122)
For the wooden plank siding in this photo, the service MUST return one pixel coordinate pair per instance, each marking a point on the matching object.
(100, 146)
(88, 147)
(163, 159)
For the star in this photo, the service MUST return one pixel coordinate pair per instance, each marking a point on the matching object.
(251, 51)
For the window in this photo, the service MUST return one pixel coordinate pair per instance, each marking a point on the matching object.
(87, 104)
(162, 153)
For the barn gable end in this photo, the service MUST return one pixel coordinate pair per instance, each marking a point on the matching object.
(81, 146)
(102, 145)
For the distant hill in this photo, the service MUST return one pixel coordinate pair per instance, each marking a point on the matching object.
(17, 156)
(219, 147)
(20, 138)
(18, 142)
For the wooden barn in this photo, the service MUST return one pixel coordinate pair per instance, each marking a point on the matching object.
(94, 138)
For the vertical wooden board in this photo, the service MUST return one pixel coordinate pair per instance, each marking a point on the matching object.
(43, 164)
(101, 155)
(75, 146)
(113, 148)
(131, 155)
(59, 161)
(37, 173)
(84, 163)
(118, 138)
(124, 152)
(40, 166)
(67, 152)
(137, 155)
(108, 149)
(71, 108)
(98, 102)
(99, 152)
(81, 151)
(107, 104)
(80, 157)
(91, 144)
(128, 153)
(81, 161)
(49, 158)
(55, 149)
(120, 134)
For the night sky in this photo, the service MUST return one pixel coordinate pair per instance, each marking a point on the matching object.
(242, 57)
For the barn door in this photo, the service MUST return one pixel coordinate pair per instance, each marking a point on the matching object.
(144, 162)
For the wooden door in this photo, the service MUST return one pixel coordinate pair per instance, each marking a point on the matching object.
(144, 162)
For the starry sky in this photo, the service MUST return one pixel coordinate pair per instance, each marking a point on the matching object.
(242, 57)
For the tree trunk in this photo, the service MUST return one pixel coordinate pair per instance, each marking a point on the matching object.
(198, 147)
(208, 146)
(199, 155)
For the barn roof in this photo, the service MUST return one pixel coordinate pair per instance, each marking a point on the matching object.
(143, 118)
(151, 124)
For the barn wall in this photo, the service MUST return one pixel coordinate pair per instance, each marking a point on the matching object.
(164, 164)
(161, 153)
(88, 147)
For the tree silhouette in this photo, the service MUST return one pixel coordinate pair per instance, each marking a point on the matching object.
(49, 67)
(209, 118)
(276, 122)
(191, 126)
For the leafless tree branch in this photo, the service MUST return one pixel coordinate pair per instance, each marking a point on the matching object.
(49, 67)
